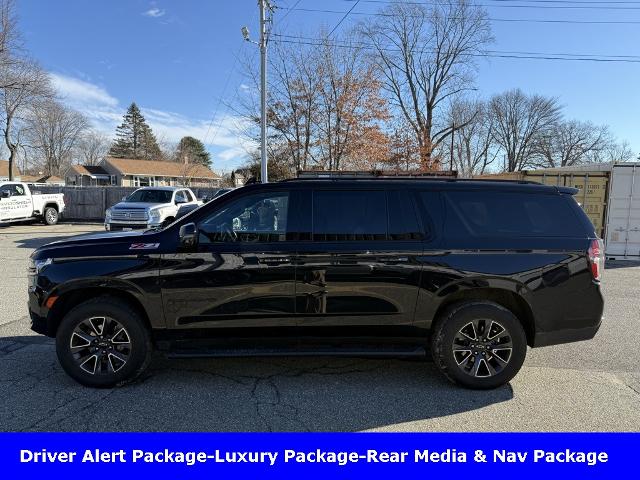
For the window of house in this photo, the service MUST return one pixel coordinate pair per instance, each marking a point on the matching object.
(113, 180)
(139, 181)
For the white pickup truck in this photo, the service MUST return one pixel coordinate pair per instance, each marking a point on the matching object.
(150, 207)
(17, 202)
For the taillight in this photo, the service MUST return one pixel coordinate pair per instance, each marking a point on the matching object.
(596, 259)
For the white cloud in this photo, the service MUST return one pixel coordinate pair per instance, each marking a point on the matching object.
(154, 12)
(82, 91)
(222, 136)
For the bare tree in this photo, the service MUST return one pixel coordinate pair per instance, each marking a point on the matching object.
(92, 147)
(474, 147)
(426, 54)
(350, 108)
(613, 152)
(294, 88)
(54, 130)
(21, 85)
(572, 143)
(324, 108)
(9, 37)
(519, 121)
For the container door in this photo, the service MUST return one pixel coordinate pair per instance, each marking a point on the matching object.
(623, 229)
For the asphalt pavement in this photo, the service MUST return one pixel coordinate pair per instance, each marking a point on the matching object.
(586, 386)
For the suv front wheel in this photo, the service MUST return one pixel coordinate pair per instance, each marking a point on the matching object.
(479, 345)
(103, 343)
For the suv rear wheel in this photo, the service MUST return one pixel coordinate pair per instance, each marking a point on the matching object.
(103, 343)
(479, 345)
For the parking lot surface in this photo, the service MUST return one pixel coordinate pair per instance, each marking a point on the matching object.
(587, 386)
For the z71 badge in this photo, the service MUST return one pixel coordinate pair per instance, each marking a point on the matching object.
(144, 246)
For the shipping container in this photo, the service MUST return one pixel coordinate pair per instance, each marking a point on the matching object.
(623, 219)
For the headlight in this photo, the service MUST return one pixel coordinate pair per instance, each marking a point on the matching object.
(154, 215)
(36, 266)
(107, 215)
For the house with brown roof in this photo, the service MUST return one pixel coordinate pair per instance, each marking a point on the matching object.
(4, 171)
(144, 173)
(127, 172)
(88, 176)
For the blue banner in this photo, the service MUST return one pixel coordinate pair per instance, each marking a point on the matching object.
(317, 455)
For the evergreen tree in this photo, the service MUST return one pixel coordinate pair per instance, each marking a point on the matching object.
(134, 138)
(191, 150)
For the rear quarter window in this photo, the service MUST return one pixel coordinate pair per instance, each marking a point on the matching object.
(509, 214)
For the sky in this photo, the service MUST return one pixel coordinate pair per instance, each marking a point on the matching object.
(178, 60)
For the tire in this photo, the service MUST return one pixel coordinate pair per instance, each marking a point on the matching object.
(50, 216)
(114, 359)
(478, 345)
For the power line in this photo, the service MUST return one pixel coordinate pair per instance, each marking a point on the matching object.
(526, 20)
(289, 10)
(224, 90)
(581, 6)
(485, 55)
(343, 18)
(491, 52)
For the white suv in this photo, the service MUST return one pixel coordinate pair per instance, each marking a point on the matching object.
(150, 207)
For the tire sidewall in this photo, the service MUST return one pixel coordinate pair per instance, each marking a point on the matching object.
(138, 334)
(457, 318)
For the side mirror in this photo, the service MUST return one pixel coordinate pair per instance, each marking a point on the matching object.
(180, 201)
(5, 193)
(188, 235)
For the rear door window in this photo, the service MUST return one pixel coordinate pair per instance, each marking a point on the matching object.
(340, 215)
(509, 214)
(403, 221)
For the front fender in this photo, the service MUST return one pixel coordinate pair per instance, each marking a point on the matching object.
(133, 276)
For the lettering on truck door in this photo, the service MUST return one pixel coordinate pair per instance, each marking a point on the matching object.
(18, 205)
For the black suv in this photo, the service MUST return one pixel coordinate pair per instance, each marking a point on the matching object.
(473, 271)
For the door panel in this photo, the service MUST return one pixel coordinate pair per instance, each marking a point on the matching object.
(242, 272)
(224, 287)
(18, 205)
(361, 266)
(355, 286)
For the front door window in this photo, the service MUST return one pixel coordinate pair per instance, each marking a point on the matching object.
(261, 217)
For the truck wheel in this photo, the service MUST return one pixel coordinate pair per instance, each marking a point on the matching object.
(50, 216)
(479, 345)
(103, 343)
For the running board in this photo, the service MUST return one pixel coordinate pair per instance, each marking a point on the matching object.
(378, 351)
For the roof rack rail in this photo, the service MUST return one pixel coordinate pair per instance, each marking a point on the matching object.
(449, 176)
(370, 175)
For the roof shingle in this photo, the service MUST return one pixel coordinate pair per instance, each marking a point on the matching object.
(88, 170)
(127, 166)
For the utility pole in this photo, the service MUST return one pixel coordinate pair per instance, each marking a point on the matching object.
(453, 129)
(264, 4)
(266, 11)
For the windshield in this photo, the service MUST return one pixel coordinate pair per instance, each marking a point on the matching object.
(150, 196)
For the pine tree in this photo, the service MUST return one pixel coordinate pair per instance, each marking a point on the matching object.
(134, 138)
(191, 150)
